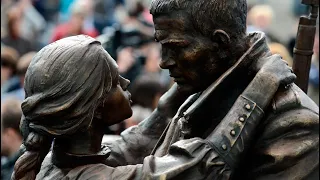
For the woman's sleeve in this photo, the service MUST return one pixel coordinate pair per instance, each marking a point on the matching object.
(188, 159)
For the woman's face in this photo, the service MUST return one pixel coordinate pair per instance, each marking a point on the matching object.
(117, 106)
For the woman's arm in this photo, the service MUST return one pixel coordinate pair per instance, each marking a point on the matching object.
(138, 141)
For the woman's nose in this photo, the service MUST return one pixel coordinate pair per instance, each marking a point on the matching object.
(126, 84)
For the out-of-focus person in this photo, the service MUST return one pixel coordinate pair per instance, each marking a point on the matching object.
(21, 70)
(299, 9)
(146, 12)
(5, 7)
(131, 56)
(75, 25)
(142, 6)
(313, 91)
(151, 66)
(260, 18)
(11, 139)
(88, 23)
(13, 36)
(32, 23)
(152, 54)
(134, 20)
(277, 48)
(105, 13)
(9, 60)
(129, 63)
(49, 9)
(146, 91)
(64, 10)
(141, 60)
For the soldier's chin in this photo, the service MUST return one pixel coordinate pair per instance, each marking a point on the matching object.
(186, 88)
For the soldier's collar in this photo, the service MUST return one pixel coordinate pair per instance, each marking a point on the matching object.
(258, 48)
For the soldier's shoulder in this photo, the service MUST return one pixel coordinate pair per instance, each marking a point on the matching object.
(292, 113)
(291, 98)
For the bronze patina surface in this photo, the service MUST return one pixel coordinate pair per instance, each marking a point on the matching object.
(236, 113)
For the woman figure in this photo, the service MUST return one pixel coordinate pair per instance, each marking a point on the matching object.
(72, 86)
(73, 91)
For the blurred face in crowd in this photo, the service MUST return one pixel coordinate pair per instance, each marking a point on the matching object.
(186, 53)
(6, 139)
(76, 24)
(263, 22)
(6, 73)
(153, 58)
(261, 16)
(9, 58)
(11, 139)
(14, 21)
(23, 65)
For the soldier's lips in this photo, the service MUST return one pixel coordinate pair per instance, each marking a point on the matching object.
(179, 80)
(177, 77)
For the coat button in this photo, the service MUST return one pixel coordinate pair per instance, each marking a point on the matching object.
(224, 147)
(242, 119)
(233, 132)
(248, 107)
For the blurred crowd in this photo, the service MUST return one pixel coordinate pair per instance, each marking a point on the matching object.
(125, 29)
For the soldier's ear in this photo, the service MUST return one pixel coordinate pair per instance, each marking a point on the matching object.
(221, 37)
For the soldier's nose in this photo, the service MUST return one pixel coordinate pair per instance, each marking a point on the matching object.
(166, 64)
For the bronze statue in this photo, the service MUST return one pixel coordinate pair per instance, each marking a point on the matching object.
(241, 117)
(73, 91)
(63, 104)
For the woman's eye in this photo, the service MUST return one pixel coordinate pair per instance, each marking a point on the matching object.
(121, 85)
(124, 88)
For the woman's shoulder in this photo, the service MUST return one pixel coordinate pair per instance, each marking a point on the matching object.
(91, 171)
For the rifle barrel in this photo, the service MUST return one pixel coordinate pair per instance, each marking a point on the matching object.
(303, 50)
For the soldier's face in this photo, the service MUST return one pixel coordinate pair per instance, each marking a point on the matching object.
(186, 53)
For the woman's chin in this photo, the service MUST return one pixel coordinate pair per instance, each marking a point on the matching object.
(119, 119)
(129, 114)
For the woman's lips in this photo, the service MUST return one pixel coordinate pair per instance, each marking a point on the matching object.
(130, 100)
